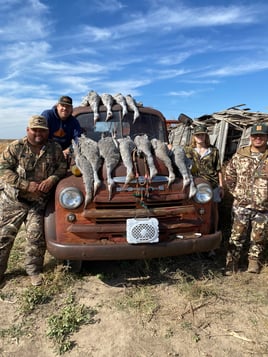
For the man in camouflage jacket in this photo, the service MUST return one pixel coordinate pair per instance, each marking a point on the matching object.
(29, 170)
(246, 177)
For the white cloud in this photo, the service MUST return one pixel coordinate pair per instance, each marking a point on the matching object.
(174, 58)
(182, 93)
(24, 21)
(128, 86)
(237, 69)
(65, 68)
(169, 19)
(108, 5)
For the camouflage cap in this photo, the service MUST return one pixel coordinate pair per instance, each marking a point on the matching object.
(259, 128)
(200, 129)
(38, 122)
(65, 100)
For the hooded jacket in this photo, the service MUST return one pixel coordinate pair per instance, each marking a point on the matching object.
(62, 131)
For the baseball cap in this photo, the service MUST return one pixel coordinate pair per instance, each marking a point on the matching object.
(37, 122)
(259, 128)
(200, 129)
(65, 100)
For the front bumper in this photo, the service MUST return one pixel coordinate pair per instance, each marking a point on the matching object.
(125, 251)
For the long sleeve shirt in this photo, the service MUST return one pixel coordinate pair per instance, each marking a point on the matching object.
(62, 131)
(19, 165)
(246, 177)
(207, 166)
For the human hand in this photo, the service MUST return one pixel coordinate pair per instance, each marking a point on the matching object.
(33, 186)
(66, 153)
(46, 185)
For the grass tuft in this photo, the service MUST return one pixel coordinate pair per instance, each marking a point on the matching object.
(67, 321)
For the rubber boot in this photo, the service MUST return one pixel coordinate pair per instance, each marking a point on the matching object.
(253, 266)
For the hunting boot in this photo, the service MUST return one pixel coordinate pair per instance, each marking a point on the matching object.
(231, 266)
(36, 280)
(253, 266)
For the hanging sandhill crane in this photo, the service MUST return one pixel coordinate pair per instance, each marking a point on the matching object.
(161, 151)
(126, 147)
(111, 155)
(121, 100)
(107, 101)
(93, 100)
(144, 147)
(86, 171)
(132, 105)
(89, 148)
(180, 160)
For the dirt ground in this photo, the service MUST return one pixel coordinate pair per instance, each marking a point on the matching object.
(181, 306)
(170, 307)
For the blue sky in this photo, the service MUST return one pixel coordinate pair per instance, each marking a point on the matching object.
(193, 57)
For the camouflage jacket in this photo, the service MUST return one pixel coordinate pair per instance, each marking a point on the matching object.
(207, 166)
(19, 165)
(246, 177)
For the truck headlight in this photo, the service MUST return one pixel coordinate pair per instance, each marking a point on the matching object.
(203, 194)
(71, 198)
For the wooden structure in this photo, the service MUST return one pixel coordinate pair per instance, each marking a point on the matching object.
(228, 129)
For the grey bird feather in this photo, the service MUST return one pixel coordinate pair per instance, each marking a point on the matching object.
(89, 148)
(144, 146)
(180, 161)
(87, 173)
(111, 155)
(126, 147)
(121, 100)
(94, 101)
(84, 102)
(108, 100)
(132, 106)
(162, 152)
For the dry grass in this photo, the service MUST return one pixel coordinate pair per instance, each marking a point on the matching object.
(4, 143)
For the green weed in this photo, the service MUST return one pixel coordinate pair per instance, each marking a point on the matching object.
(63, 324)
(33, 297)
(14, 332)
(54, 283)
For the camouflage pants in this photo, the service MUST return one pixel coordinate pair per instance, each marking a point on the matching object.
(248, 224)
(12, 214)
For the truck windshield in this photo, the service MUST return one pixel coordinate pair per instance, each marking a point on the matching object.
(147, 123)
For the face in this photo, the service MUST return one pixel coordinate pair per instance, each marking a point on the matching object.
(259, 141)
(200, 138)
(64, 111)
(37, 136)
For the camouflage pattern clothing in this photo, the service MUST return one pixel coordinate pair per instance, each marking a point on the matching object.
(246, 177)
(18, 166)
(206, 166)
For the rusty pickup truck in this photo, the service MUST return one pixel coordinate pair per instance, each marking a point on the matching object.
(147, 218)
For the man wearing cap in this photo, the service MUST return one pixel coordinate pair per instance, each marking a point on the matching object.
(29, 170)
(246, 177)
(63, 126)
